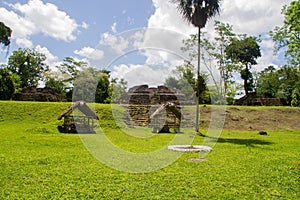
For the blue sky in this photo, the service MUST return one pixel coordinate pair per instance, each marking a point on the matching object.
(99, 16)
(116, 32)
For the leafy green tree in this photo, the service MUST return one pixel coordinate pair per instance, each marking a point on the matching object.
(213, 57)
(7, 86)
(184, 80)
(281, 83)
(223, 39)
(85, 85)
(268, 82)
(63, 79)
(289, 79)
(197, 12)
(288, 36)
(103, 88)
(94, 85)
(5, 34)
(55, 83)
(117, 89)
(80, 82)
(29, 65)
(244, 51)
(69, 70)
(296, 98)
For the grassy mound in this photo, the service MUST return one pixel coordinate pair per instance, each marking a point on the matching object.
(37, 162)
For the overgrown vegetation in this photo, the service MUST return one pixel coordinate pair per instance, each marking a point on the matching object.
(37, 162)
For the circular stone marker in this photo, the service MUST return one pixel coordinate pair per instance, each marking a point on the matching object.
(197, 160)
(189, 148)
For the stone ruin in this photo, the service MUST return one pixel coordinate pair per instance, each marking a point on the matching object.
(145, 95)
(253, 100)
(142, 101)
(39, 94)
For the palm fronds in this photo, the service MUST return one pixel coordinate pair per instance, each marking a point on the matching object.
(197, 12)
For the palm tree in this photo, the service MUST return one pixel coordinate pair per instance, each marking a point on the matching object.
(197, 12)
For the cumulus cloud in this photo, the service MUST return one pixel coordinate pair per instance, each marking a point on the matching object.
(21, 27)
(51, 60)
(38, 17)
(48, 19)
(140, 74)
(90, 53)
(253, 17)
(48, 54)
(116, 43)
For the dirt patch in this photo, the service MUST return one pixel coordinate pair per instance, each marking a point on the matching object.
(248, 118)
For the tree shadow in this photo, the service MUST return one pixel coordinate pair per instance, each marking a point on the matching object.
(246, 142)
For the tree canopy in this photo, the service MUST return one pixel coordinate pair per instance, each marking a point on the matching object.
(198, 12)
(288, 36)
(29, 65)
(5, 34)
(244, 51)
(282, 83)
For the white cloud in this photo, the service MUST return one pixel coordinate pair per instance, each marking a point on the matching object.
(84, 25)
(91, 53)
(114, 27)
(268, 58)
(37, 17)
(140, 74)
(253, 17)
(21, 27)
(44, 50)
(166, 16)
(116, 43)
(24, 42)
(52, 61)
(48, 19)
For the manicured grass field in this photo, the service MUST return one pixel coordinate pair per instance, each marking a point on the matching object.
(37, 162)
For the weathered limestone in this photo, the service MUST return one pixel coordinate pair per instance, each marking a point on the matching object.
(254, 100)
(141, 101)
(39, 94)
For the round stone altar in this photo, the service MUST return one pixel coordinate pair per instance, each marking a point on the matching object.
(189, 148)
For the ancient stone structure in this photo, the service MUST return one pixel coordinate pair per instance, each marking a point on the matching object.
(142, 101)
(145, 95)
(253, 100)
(39, 94)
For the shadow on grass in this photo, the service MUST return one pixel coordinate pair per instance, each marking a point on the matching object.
(246, 142)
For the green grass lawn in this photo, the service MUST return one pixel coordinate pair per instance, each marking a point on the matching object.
(37, 162)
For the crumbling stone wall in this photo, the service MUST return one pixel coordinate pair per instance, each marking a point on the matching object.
(143, 95)
(39, 94)
(253, 100)
(141, 101)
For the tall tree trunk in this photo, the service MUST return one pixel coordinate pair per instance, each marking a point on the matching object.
(246, 87)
